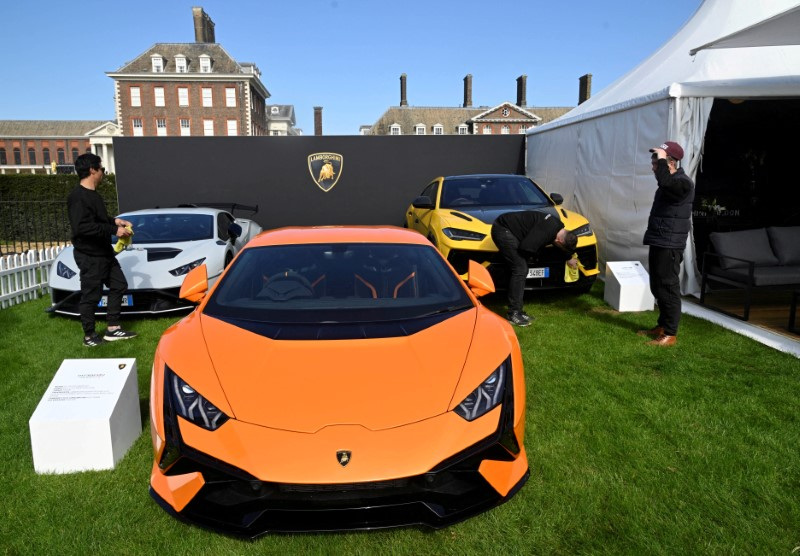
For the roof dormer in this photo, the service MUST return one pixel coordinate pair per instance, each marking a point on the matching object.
(181, 66)
(205, 63)
(157, 63)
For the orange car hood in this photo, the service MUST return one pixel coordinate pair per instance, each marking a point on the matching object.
(306, 385)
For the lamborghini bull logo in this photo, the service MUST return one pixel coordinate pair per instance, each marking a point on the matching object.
(325, 169)
(343, 457)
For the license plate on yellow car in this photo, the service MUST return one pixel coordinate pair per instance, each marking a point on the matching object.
(539, 272)
(127, 301)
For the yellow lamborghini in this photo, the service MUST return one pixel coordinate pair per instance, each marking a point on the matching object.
(456, 214)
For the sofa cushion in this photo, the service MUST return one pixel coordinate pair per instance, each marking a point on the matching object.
(752, 245)
(785, 243)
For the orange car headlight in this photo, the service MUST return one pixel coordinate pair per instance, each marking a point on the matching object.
(193, 407)
(486, 396)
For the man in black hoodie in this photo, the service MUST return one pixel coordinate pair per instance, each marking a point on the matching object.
(92, 229)
(667, 231)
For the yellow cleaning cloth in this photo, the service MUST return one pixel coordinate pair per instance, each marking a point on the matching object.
(572, 274)
(123, 242)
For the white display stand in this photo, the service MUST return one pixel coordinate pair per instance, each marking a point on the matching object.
(628, 286)
(88, 417)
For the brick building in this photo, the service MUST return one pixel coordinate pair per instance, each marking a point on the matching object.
(32, 146)
(190, 89)
(505, 118)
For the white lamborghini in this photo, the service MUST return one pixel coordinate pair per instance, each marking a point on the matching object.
(167, 243)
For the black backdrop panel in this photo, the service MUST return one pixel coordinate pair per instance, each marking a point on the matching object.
(378, 179)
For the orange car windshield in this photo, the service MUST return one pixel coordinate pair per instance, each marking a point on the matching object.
(492, 191)
(338, 283)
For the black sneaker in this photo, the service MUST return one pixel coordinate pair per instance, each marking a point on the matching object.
(527, 317)
(93, 341)
(517, 318)
(118, 334)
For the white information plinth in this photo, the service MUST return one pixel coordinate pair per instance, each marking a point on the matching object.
(88, 417)
(628, 286)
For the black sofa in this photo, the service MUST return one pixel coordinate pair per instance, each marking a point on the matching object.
(750, 259)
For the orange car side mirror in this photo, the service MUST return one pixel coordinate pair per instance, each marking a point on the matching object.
(195, 285)
(479, 280)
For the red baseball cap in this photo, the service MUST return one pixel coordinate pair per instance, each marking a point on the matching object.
(672, 149)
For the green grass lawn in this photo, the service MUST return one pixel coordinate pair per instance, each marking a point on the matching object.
(633, 449)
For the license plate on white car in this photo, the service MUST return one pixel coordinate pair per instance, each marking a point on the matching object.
(127, 301)
(539, 272)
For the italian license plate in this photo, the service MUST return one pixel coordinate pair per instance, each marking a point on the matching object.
(539, 272)
(127, 301)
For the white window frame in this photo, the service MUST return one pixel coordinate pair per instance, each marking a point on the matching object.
(183, 96)
(438, 129)
(230, 97)
(205, 63)
(522, 129)
(180, 64)
(395, 129)
(463, 129)
(136, 96)
(157, 63)
(186, 129)
(161, 127)
(487, 129)
(138, 129)
(233, 127)
(208, 97)
(419, 129)
(208, 127)
(505, 130)
(158, 96)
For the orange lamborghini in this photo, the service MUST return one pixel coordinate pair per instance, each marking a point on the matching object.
(337, 378)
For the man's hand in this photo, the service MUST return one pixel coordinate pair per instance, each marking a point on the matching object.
(572, 263)
(660, 153)
(123, 231)
(122, 223)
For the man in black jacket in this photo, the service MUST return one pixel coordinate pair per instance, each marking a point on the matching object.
(523, 233)
(92, 229)
(667, 231)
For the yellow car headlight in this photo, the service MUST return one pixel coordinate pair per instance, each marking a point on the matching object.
(459, 234)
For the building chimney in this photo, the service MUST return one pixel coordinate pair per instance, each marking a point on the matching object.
(522, 91)
(584, 88)
(318, 120)
(403, 98)
(468, 91)
(203, 26)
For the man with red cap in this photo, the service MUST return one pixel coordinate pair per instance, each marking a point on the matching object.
(667, 231)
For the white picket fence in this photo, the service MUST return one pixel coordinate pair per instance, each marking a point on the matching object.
(25, 277)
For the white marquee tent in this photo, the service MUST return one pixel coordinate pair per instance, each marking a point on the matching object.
(597, 155)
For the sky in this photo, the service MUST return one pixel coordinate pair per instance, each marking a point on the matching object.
(343, 55)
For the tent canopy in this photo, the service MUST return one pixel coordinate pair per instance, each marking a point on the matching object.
(597, 155)
(778, 30)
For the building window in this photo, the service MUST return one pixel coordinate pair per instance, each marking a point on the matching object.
(438, 129)
(161, 127)
(462, 129)
(505, 130)
(185, 130)
(230, 97)
(419, 129)
(158, 95)
(74, 154)
(183, 96)
(274, 110)
(136, 96)
(233, 129)
(46, 156)
(275, 132)
(487, 129)
(3, 159)
(138, 130)
(522, 129)
(394, 129)
(31, 155)
(205, 63)
(158, 64)
(60, 156)
(17, 157)
(207, 97)
(180, 64)
(208, 127)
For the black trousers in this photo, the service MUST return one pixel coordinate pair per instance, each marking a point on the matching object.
(508, 245)
(665, 284)
(96, 271)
